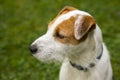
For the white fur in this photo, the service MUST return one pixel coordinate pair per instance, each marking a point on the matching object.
(83, 54)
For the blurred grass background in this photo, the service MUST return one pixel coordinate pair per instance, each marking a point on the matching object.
(22, 21)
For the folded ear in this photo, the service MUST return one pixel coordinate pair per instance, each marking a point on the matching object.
(83, 24)
(66, 9)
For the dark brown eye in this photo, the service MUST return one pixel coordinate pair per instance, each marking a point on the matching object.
(58, 35)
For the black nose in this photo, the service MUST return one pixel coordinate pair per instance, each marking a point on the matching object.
(33, 48)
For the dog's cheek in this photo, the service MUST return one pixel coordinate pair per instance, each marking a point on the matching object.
(60, 50)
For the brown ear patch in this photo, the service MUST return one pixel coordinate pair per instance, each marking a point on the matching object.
(83, 25)
(65, 10)
(64, 32)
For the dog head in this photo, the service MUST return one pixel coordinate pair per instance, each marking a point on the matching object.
(70, 33)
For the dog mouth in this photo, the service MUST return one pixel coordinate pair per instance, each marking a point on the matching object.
(48, 56)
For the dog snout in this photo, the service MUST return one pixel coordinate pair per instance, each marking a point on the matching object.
(33, 49)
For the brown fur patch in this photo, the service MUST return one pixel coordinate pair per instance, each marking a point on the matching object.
(65, 10)
(88, 23)
(66, 30)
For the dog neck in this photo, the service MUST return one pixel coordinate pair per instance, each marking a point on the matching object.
(92, 64)
(89, 55)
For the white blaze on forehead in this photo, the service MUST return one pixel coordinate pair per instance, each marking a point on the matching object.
(66, 16)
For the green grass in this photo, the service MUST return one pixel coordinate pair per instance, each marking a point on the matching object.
(22, 21)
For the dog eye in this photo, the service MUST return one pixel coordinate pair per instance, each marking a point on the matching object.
(60, 36)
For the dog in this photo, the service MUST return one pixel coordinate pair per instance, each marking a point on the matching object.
(74, 38)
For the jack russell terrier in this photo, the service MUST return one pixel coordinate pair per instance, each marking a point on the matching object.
(74, 38)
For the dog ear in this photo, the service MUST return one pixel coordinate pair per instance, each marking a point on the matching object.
(83, 25)
(66, 9)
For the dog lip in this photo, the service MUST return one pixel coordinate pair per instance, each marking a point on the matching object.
(33, 49)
